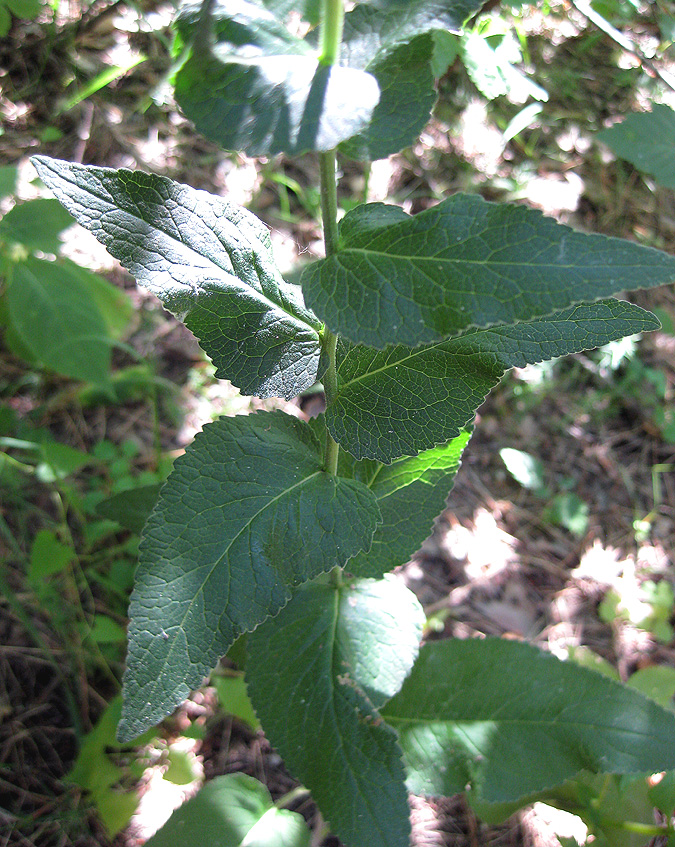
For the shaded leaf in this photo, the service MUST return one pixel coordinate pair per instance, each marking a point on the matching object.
(317, 673)
(465, 263)
(130, 508)
(209, 262)
(481, 712)
(400, 401)
(37, 224)
(647, 140)
(51, 312)
(246, 515)
(411, 492)
(262, 90)
(233, 811)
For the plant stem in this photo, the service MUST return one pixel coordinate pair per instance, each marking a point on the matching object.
(331, 31)
(327, 162)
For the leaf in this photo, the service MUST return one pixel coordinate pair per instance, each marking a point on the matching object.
(526, 469)
(411, 492)
(36, 224)
(317, 674)
(485, 712)
(209, 262)
(261, 90)
(247, 515)
(394, 43)
(465, 263)
(400, 401)
(233, 811)
(647, 140)
(50, 311)
(130, 508)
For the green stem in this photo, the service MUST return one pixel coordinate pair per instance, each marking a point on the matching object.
(327, 162)
(331, 31)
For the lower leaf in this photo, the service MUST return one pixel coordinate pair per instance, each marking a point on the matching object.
(508, 720)
(246, 515)
(317, 674)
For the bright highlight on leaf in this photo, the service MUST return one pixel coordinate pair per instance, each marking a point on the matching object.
(246, 516)
(233, 811)
(209, 262)
(510, 721)
(465, 263)
(317, 674)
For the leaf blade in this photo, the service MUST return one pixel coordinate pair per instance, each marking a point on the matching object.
(315, 672)
(402, 400)
(480, 711)
(209, 262)
(246, 516)
(465, 263)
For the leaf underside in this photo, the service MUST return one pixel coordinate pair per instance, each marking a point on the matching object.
(462, 264)
(317, 674)
(511, 721)
(411, 493)
(209, 261)
(246, 516)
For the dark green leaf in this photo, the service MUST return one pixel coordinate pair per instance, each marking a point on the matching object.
(317, 673)
(246, 515)
(209, 262)
(393, 42)
(233, 811)
(648, 141)
(37, 224)
(261, 90)
(51, 311)
(466, 263)
(411, 492)
(510, 721)
(130, 508)
(400, 401)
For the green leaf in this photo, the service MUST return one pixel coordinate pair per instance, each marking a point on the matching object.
(8, 173)
(465, 263)
(400, 401)
(246, 515)
(36, 224)
(411, 492)
(526, 469)
(262, 90)
(394, 43)
(511, 720)
(233, 811)
(113, 304)
(209, 262)
(317, 674)
(647, 140)
(48, 556)
(130, 508)
(234, 699)
(51, 312)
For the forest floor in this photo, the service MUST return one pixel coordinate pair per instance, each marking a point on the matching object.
(532, 561)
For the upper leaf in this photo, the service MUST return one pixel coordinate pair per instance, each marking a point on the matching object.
(246, 515)
(402, 400)
(411, 492)
(209, 261)
(234, 810)
(37, 224)
(648, 141)
(510, 721)
(316, 675)
(465, 263)
(392, 41)
(262, 90)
